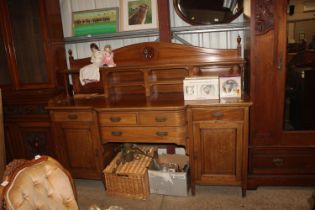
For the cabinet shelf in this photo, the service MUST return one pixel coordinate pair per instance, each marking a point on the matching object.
(155, 32)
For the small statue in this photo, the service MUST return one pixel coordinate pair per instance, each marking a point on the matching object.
(90, 73)
(108, 59)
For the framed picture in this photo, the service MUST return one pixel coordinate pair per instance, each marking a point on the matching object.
(230, 87)
(201, 88)
(92, 22)
(138, 14)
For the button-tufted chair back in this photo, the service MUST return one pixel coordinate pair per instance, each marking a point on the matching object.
(38, 184)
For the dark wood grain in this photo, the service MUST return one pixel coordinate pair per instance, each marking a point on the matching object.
(31, 33)
(277, 157)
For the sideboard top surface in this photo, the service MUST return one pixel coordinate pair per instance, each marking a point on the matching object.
(150, 76)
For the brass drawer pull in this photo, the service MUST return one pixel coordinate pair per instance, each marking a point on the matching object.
(278, 161)
(115, 119)
(161, 133)
(160, 119)
(217, 114)
(116, 133)
(72, 116)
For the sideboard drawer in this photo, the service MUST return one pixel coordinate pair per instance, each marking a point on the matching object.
(162, 118)
(117, 118)
(144, 134)
(82, 116)
(282, 161)
(218, 114)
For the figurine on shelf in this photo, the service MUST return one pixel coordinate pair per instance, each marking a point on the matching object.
(90, 73)
(108, 59)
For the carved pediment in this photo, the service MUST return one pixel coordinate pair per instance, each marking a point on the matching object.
(264, 20)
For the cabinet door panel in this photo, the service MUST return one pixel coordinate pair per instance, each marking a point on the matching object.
(27, 139)
(218, 147)
(27, 37)
(4, 70)
(222, 144)
(78, 149)
(76, 140)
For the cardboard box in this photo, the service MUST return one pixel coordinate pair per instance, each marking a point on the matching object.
(201, 88)
(170, 183)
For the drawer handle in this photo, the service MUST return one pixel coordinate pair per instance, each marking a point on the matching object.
(116, 133)
(160, 119)
(278, 161)
(72, 116)
(217, 114)
(115, 119)
(161, 133)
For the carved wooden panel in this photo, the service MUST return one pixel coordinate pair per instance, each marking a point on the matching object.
(264, 19)
(25, 109)
(36, 143)
(148, 52)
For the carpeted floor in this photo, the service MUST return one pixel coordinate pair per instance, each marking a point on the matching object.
(207, 198)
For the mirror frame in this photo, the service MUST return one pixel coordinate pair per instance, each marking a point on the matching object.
(194, 22)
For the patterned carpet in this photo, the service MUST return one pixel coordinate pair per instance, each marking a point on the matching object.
(207, 198)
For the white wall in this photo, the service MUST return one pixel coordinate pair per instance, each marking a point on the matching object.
(299, 13)
(301, 23)
(225, 39)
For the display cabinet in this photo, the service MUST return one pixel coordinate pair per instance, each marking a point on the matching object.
(31, 55)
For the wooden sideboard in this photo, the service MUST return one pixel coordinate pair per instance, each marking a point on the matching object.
(141, 100)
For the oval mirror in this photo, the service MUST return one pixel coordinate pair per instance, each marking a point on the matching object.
(204, 12)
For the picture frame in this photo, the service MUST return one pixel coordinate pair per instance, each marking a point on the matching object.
(230, 87)
(201, 88)
(93, 22)
(138, 14)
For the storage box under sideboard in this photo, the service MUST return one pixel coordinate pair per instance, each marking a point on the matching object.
(169, 182)
(129, 179)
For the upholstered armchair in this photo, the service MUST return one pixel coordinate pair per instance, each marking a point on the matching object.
(41, 183)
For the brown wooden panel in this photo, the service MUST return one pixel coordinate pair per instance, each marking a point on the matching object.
(221, 158)
(117, 118)
(162, 118)
(78, 148)
(175, 135)
(218, 114)
(71, 116)
(4, 68)
(282, 161)
(162, 53)
(27, 34)
(218, 152)
(76, 140)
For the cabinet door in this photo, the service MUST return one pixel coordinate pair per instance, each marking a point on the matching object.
(218, 152)
(4, 69)
(27, 139)
(77, 147)
(31, 44)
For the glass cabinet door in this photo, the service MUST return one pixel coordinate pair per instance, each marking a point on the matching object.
(28, 41)
(4, 70)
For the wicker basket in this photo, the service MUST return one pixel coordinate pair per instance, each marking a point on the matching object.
(129, 179)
